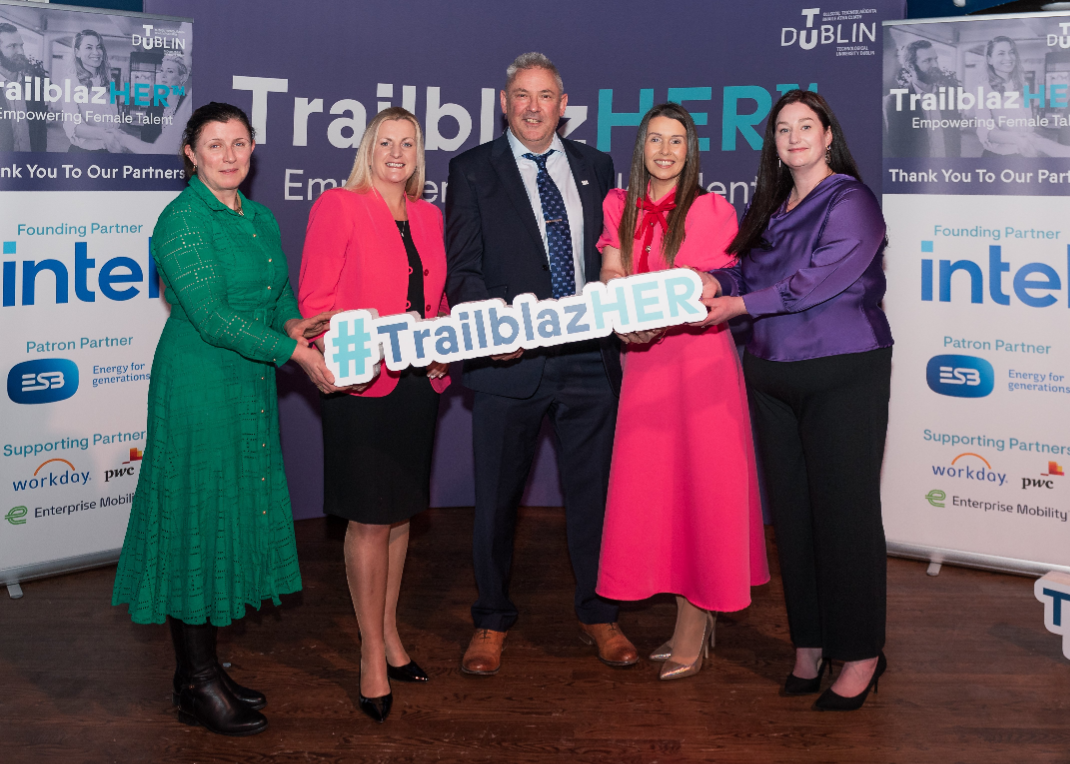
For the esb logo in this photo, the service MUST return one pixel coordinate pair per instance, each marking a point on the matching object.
(42, 381)
(961, 376)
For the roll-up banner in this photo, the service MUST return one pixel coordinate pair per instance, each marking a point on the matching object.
(331, 65)
(976, 194)
(92, 105)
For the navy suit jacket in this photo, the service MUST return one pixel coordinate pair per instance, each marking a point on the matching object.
(494, 249)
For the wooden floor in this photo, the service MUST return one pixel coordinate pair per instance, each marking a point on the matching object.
(973, 676)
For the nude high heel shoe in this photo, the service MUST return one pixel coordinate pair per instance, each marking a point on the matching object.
(672, 670)
(663, 653)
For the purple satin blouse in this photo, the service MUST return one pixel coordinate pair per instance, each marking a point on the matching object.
(817, 290)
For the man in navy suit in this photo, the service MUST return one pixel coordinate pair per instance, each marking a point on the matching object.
(523, 215)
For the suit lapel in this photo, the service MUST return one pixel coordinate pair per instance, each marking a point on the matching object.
(504, 163)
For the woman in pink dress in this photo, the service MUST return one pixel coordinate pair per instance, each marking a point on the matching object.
(683, 513)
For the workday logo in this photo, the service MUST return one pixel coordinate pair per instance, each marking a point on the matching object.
(42, 381)
(973, 467)
(960, 376)
(59, 472)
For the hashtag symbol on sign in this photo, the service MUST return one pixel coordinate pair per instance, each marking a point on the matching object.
(351, 348)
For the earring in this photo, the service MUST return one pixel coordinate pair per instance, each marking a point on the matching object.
(828, 154)
(779, 164)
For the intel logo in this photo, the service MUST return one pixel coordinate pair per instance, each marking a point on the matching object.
(43, 381)
(961, 376)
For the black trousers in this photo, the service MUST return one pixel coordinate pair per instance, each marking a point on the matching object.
(576, 395)
(821, 426)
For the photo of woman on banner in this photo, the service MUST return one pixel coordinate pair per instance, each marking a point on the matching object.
(1013, 135)
(88, 66)
(818, 370)
(675, 521)
(211, 528)
(376, 244)
(175, 73)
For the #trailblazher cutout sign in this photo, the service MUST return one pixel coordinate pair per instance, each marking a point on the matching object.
(359, 339)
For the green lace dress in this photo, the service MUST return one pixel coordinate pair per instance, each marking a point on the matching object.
(210, 526)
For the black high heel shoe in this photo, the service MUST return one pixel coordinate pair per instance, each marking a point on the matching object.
(830, 701)
(793, 685)
(377, 709)
(410, 672)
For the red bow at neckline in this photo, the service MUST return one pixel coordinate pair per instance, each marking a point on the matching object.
(654, 214)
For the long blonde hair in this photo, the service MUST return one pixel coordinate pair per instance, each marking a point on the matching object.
(360, 179)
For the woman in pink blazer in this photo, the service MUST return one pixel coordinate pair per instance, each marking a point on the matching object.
(374, 243)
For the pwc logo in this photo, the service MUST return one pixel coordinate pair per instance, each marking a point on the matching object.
(42, 381)
(960, 376)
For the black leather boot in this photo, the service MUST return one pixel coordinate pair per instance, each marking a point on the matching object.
(204, 698)
(252, 698)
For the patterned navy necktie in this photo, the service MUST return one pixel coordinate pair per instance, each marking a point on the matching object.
(558, 232)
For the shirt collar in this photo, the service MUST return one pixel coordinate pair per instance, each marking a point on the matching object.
(519, 149)
(210, 199)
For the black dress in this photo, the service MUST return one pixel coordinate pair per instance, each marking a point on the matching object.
(377, 451)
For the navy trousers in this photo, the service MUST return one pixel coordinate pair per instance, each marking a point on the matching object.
(576, 395)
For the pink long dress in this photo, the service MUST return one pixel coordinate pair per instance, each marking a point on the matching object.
(683, 514)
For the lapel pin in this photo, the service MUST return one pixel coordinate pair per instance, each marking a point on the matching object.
(583, 183)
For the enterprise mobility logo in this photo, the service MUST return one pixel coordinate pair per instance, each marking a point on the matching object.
(960, 376)
(46, 380)
(17, 515)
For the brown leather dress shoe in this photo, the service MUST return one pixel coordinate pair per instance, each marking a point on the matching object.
(614, 649)
(484, 654)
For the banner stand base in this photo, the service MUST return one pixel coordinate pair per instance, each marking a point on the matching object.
(13, 578)
(937, 557)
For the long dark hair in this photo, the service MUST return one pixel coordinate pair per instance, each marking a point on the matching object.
(210, 112)
(687, 187)
(80, 71)
(774, 179)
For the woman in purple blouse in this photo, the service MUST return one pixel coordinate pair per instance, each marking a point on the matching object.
(818, 367)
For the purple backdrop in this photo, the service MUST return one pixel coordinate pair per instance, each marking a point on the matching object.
(311, 73)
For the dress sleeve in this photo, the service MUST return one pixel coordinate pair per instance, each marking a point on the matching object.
(198, 283)
(612, 211)
(286, 307)
(853, 234)
(712, 223)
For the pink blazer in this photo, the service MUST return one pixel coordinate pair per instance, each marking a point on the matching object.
(354, 258)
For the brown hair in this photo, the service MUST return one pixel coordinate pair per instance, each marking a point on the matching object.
(210, 112)
(774, 179)
(687, 187)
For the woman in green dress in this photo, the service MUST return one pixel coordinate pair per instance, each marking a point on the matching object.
(210, 526)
